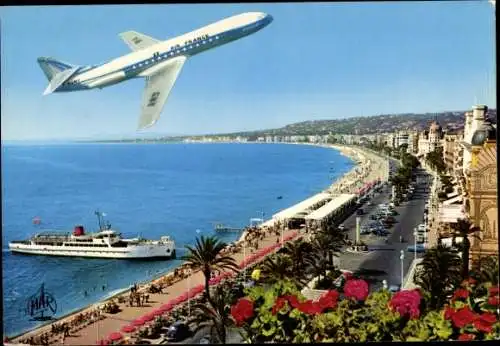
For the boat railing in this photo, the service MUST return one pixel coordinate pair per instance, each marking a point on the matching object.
(27, 242)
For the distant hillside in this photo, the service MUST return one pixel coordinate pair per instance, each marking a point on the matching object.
(358, 125)
(368, 125)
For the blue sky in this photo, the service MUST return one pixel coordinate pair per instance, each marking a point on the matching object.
(314, 61)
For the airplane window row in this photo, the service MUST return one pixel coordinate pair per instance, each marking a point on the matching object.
(165, 55)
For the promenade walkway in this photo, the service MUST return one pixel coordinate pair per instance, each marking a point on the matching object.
(114, 322)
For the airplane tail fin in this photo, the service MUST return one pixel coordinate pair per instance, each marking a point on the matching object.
(51, 67)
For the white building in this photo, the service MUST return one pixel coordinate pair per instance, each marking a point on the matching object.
(429, 140)
(473, 121)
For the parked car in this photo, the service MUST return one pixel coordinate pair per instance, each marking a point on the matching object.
(341, 227)
(365, 230)
(381, 232)
(419, 248)
(178, 332)
(421, 228)
(394, 288)
(390, 219)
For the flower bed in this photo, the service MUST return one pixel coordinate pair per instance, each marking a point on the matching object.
(281, 314)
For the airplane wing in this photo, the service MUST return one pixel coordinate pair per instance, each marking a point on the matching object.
(158, 88)
(137, 41)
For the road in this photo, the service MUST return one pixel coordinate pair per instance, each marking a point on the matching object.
(383, 262)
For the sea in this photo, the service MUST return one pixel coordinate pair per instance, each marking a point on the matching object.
(182, 190)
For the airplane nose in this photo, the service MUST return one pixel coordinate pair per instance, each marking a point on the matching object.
(265, 19)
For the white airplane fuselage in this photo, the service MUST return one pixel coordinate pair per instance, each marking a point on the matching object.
(148, 61)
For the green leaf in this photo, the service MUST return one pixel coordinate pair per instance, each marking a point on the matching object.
(412, 338)
(269, 331)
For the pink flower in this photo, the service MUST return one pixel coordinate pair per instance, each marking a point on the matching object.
(242, 310)
(357, 289)
(406, 303)
(347, 275)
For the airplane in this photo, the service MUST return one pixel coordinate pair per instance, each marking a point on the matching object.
(159, 62)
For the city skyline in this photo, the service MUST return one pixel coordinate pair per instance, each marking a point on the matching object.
(312, 64)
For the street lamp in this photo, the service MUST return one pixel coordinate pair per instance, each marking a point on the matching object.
(402, 257)
(415, 233)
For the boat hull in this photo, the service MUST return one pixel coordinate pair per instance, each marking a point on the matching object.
(131, 252)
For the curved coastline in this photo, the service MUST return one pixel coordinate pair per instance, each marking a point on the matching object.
(354, 154)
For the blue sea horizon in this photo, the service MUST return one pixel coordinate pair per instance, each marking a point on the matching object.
(147, 189)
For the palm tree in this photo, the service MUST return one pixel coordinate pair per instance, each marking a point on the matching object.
(207, 255)
(488, 269)
(301, 254)
(439, 274)
(464, 228)
(327, 243)
(216, 315)
(277, 268)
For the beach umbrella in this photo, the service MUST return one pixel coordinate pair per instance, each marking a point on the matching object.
(115, 336)
(138, 322)
(167, 307)
(128, 329)
(148, 317)
(157, 312)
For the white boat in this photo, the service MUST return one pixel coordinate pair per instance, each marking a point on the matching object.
(106, 243)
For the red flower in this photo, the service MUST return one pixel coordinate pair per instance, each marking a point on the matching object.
(488, 317)
(485, 322)
(309, 307)
(469, 281)
(328, 300)
(460, 294)
(357, 289)
(466, 337)
(448, 312)
(463, 317)
(493, 301)
(292, 300)
(406, 303)
(483, 326)
(242, 310)
(493, 290)
(278, 305)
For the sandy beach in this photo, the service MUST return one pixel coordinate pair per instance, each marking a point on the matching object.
(369, 167)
